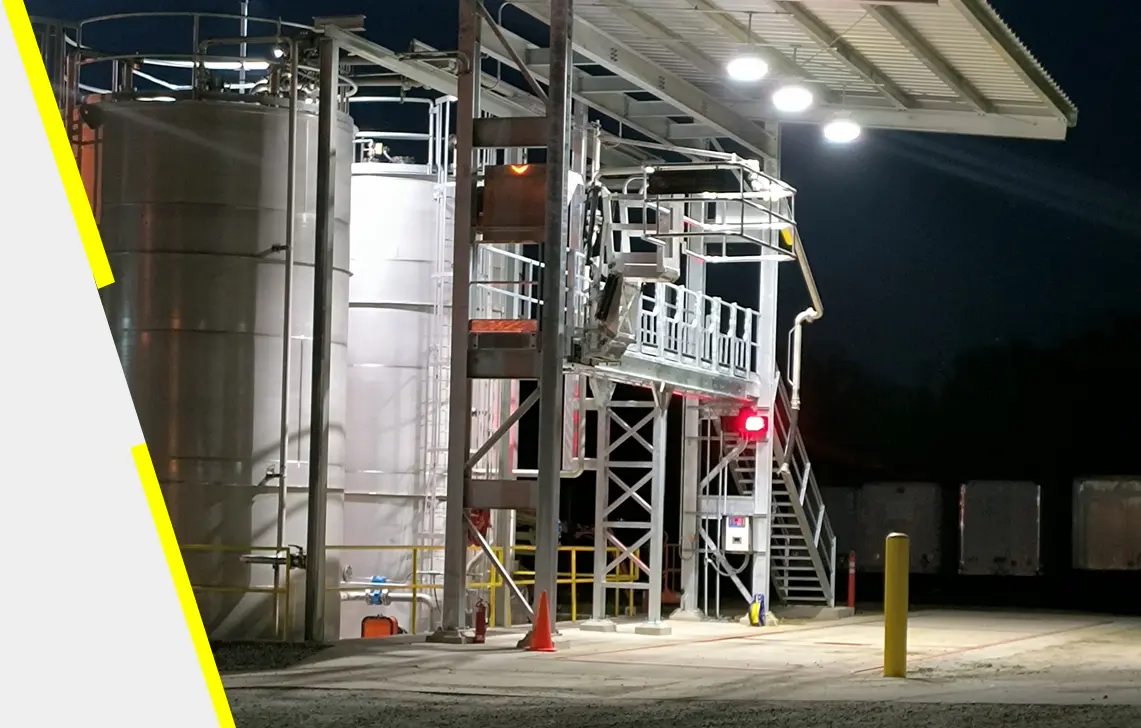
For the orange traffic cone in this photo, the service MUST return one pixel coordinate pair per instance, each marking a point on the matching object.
(541, 628)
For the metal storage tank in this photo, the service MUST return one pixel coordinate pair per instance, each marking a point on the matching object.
(392, 497)
(912, 508)
(193, 217)
(1107, 523)
(999, 527)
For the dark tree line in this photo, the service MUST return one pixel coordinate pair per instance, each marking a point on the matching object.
(1003, 411)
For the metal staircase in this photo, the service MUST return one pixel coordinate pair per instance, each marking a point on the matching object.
(802, 551)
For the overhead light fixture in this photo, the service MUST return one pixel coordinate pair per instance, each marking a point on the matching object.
(278, 52)
(792, 98)
(842, 131)
(747, 66)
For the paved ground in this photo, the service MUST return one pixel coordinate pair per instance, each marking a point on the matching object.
(1041, 670)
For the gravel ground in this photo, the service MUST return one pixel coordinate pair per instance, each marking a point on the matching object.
(255, 708)
(233, 657)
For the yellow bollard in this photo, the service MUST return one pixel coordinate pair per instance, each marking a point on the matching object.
(895, 571)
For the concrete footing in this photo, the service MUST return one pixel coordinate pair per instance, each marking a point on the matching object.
(822, 614)
(598, 625)
(688, 615)
(448, 637)
(654, 629)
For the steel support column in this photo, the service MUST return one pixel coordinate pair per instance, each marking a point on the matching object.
(630, 538)
(602, 390)
(689, 543)
(553, 314)
(767, 358)
(322, 342)
(654, 623)
(454, 608)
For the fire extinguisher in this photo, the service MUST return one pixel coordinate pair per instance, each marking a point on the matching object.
(480, 622)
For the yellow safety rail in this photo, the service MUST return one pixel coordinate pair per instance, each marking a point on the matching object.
(490, 581)
(281, 587)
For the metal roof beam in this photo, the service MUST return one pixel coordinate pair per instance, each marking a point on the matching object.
(984, 20)
(832, 42)
(781, 64)
(616, 109)
(588, 85)
(428, 76)
(894, 23)
(651, 78)
(644, 23)
(1024, 126)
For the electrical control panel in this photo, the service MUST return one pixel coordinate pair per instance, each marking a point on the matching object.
(738, 535)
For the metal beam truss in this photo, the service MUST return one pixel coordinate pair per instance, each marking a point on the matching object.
(635, 479)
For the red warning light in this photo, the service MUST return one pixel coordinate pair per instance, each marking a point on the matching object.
(753, 424)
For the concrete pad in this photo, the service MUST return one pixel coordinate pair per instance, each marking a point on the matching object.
(599, 625)
(654, 629)
(954, 657)
(807, 613)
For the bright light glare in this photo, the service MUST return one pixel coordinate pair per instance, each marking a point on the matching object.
(278, 52)
(842, 131)
(754, 423)
(747, 67)
(792, 99)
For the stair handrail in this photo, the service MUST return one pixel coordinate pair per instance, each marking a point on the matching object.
(795, 459)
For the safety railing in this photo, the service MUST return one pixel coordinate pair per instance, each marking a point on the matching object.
(486, 583)
(807, 490)
(752, 208)
(489, 582)
(575, 578)
(705, 332)
(279, 590)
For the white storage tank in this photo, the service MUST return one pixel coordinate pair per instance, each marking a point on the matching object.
(914, 509)
(393, 499)
(193, 199)
(999, 528)
(1107, 523)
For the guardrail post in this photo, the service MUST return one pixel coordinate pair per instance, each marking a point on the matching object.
(896, 553)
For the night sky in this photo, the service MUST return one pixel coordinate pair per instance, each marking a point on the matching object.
(923, 245)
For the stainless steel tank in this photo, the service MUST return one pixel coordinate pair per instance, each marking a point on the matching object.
(397, 240)
(193, 219)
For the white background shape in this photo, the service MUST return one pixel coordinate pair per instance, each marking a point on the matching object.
(92, 626)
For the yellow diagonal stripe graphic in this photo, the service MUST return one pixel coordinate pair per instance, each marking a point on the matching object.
(174, 563)
(17, 14)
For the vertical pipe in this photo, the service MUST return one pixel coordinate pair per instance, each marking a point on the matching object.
(851, 580)
(895, 605)
(689, 541)
(322, 343)
(454, 609)
(287, 323)
(243, 29)
(657, 503)
(603, 390)
(553, 312)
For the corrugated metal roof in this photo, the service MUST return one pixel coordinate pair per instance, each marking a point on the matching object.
(956, 57)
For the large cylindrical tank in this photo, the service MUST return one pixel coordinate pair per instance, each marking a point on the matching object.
(397, 233)
(193, 202)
